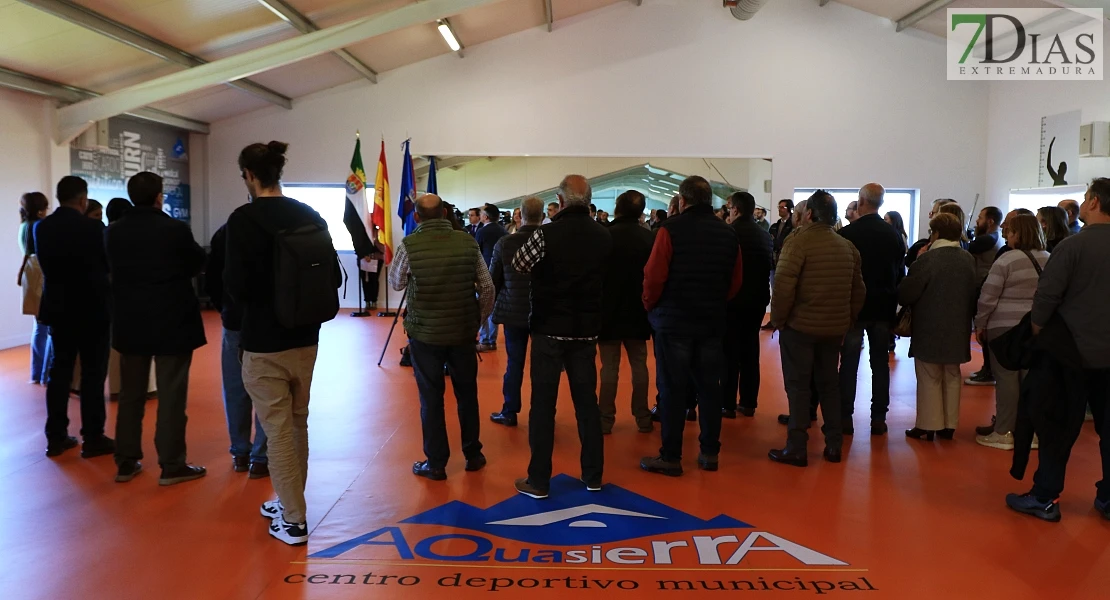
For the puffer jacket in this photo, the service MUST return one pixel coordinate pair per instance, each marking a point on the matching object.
(819, 286)
(513, 289)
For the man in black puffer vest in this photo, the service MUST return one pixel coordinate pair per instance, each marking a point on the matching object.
(567, 259)
(625, 321)
(746, 310)
(694, 270)
(512, 307)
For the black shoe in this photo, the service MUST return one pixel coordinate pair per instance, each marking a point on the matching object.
(727, 413)
(781, 456)
(56, 448)
(986, 430)
(259, 470)
(240, 464)
(656, 415)
(477, 463)
(878, 428)
(181, 474)
(918, 433)
(523, 486)
(747, 412)
(1103, 508)
(504, 418)
(983, 377)
(1048, 510)
(422, 469)
(946, 434)
(592, 486)
(98, 446)
(128, 470)
(657, 464)
(692, 414)
(784, 419)
(831, 455)
(707, 462)
(406, 359)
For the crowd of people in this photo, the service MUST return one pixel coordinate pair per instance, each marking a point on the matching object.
(571, 284)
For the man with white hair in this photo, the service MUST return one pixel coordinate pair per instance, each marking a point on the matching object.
(881, 255)
(567, 260)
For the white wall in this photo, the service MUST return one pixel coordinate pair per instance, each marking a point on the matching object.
(1016, 108)
(31, 162)
(833, 95)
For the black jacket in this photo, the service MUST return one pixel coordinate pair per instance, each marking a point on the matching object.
(567, 283)
(230, 315)
(249, 272)
(154, 258)
(622, 306)
(487, 238)
(70, 249)
(882, 256)
(513, 288)
(779, 231)
(756, 247)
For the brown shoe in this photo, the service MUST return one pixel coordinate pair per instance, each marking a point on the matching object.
(259, 470)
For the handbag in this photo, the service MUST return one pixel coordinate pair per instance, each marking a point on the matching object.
(903, 323)
(31, 283)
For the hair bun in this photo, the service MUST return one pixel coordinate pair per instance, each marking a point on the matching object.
(277, 147)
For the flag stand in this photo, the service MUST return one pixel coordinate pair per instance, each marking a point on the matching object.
(361, 312)
(387, 312)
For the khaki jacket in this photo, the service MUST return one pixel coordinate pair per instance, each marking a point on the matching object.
(818, 283)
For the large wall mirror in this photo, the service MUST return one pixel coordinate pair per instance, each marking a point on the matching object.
(472, 181)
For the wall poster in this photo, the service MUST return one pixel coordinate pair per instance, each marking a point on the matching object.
(132, 146)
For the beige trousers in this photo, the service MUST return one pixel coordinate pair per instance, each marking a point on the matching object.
(278, 384)
(938, 395)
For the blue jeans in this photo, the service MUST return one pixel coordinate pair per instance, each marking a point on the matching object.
(516, 345)
(41, 352)
(685, 367)
(488, 333)
(427, 367)
(237, 404)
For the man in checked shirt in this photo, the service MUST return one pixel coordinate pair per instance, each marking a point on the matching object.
(450, 293)
(566, 259)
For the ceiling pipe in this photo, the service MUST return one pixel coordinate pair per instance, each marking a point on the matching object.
(744, 9)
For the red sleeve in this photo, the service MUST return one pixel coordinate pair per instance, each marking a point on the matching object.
(737, 276)
(658, 268)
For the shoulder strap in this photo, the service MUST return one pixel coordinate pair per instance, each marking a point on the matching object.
(1036, 265)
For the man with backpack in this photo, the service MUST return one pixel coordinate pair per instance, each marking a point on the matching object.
(281, 270)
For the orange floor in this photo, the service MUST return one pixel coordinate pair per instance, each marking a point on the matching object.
(897, 519)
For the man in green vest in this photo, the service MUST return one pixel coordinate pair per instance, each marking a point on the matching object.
(450, 293)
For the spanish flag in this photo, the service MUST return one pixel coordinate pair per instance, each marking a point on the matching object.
(382, 216)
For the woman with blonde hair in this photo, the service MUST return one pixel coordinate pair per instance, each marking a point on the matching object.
(954, 209)
(1006, 297)
(940, 290)
(514, 224)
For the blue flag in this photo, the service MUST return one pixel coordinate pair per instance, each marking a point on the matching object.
(433, 186)
(406, 205)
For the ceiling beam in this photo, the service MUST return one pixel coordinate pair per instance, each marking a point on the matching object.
(824, 2)
(920, 13)
(292, 16)
(70, 94)
(550, 14)
(72, 120)
(97, 22)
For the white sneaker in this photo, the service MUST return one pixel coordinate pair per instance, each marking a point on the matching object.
(293, 534)
(272, 508)
(1001, 441)
(1036, 443)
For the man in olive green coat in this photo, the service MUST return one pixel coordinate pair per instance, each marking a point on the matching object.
(450, 293)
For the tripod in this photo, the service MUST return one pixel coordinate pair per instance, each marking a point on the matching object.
(396, 316)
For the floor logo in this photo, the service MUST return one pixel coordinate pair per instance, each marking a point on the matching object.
(578, 527)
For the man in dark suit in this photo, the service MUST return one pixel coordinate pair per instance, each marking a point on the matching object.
(779, 232)
(746, 310)
(624, 320)
(70, 248)
(154, 259)
(489, 232)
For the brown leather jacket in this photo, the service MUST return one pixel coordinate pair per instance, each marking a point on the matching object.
(818, 283)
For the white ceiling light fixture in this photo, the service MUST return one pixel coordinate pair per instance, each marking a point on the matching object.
(275, 11)
(449, 36)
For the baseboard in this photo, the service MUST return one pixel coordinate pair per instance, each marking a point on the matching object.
(13, 341)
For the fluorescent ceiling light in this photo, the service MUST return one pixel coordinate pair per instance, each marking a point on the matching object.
(274, 10)
(449, 35)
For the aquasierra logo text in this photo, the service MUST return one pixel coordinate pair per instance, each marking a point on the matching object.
(1025, 44)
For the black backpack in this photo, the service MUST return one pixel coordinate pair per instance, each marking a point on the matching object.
(306, 275)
